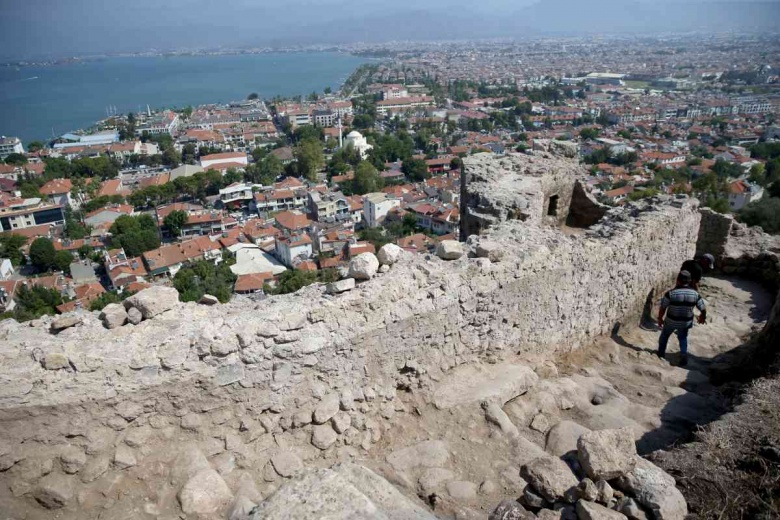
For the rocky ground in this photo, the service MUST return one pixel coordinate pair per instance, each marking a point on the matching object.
(476, 440)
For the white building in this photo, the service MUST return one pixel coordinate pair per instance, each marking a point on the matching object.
(359, 143)
(166, 123)
(376, 206)
(6, 268)
(742, 193)
(294, 249)
(229, 158)
(9, 145)
(237, 192)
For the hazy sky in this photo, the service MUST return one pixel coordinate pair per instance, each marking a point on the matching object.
(34, 28)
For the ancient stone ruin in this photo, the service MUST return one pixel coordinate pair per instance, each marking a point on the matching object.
(420, 386)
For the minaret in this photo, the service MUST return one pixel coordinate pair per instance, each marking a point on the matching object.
(341, 140)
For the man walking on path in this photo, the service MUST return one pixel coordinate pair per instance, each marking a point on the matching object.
(677, 307)
(698, 267)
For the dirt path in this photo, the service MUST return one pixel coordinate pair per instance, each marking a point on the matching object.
(615, 382)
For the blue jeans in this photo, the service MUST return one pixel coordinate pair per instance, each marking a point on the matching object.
(682, 336)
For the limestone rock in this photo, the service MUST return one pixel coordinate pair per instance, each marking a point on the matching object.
(341, 422)
(208, 299)
(55, 361)
(241, 509)
(65, 322)
(340, 286)
(588, 490)
(113, 315)
(389, 254)
(287, 464)
(629, 507)
(327, 408)
(497, 416)
(532, 499)
(364, 266)
(496, 383)
(449, 250)
(605, 492)
(54, 491)
(189, 461)
(94, 468)
(432, 478)
(124, 457)
(593, 511)
(462, 490)
(344, 491)
(568, 149)
(607, 454)
(427, 454)
(73, 459)
(153, 301)
(323, 436)
(540, 423)
(656, 490)
(191, 421)
(489, 249)
(551, 477)
(134, 316)
(204, 494)
(510, 510)
(562, 438)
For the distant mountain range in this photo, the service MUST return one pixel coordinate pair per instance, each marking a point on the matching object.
(549, 17)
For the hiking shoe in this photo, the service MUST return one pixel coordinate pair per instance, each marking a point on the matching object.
(683, 360)
(661, 356)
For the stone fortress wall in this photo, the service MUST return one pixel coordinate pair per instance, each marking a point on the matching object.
(524, 288)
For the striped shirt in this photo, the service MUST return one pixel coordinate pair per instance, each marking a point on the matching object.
(679, 304)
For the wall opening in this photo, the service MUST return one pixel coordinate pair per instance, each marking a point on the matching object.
(552, 206)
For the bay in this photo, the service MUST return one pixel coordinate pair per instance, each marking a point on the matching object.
(38, 102)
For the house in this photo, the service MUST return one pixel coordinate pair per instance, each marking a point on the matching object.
(742, 193)
(376, 206)
(83, 295)
(218, 160)
(113, 187)
(166, 123)
(17, 213)
(292, 221)
(207, 223)
(185, 170)
(9, 145)
(328, 207)
(6, 269)
(167, 260)
(107, 215)
(237, 194)
(58, 190)
(82, 272)
(402, 104)
(293, 249)
(123, 271)
(619, 194)
(251, 283)
(284, 154)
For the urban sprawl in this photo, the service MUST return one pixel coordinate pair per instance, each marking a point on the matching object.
(265, 196)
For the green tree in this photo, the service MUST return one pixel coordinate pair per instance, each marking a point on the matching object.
(252, 96)
(171, 158)
(415, 169)
(16, 159)
(99, 303)
(42, 253)
(175, 220)
(376, 236)
(232, 176)
(11, 247)
(36, 301)
(136, 234)
(35, 146)
(266, 171)
(188, 154)
(589, 133)
(309, 158)
(62, 261)
(764, 212)
(367, 179)
(204, 277)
